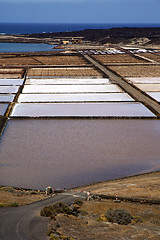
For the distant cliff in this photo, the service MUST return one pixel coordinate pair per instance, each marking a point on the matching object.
(114, 35)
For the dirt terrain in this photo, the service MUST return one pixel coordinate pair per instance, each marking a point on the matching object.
(14, 197)
(140, 186)
(119, 58)
(92, 223)
(137, 71)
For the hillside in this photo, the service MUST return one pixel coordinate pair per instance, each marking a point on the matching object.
(114, 35)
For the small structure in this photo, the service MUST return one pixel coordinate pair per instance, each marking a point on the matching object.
(76, 41)
(117, 200)
(71, 40)
(66, 42)
(49, 190)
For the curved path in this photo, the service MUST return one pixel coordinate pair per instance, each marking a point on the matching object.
(25, 223)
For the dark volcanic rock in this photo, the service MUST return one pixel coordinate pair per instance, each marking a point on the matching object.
(114, 35)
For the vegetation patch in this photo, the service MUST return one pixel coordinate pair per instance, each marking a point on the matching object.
(9, 204)
(120, 216)
(78, 202)
(7, 189)
(55, 209)
(54, 237)
(137, 219)
(102, 218)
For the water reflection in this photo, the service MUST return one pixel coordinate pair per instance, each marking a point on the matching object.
(9, 89)
(67, 153)
(6, 98)
(87, 97)
(71, 88)
(68, 81)
(3, 108)
(11, 82)
(155, 95)
(149, 87)
(144, 79)
(81, 110)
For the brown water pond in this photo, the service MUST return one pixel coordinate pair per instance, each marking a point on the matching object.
(68, 152)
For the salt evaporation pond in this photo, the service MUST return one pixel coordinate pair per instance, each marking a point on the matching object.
(94, 97)
(67, 153)
(25, 47)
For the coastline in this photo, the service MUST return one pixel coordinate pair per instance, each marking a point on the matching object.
(147, 37)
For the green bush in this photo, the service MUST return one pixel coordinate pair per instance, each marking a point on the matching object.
(13, 204)
(137, 219)
(120, 216)
(53, 237)
(7, 189)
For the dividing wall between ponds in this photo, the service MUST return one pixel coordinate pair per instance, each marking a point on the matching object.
(68, 153)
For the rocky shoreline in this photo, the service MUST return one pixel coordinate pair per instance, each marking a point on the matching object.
(135, 36)
(113, 35)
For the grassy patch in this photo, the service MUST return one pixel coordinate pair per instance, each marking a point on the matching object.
(7, 189)
(9, 204)
(101, 219)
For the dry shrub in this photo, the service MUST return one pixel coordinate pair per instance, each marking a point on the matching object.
(55, 209)
(120, 216)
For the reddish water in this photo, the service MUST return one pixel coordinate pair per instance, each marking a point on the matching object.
(68, 153)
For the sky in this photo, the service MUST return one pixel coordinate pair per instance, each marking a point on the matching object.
(80, 11)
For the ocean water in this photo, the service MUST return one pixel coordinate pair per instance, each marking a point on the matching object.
(26, 28)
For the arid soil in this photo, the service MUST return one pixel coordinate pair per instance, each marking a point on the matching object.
(137, 71)
(119, 58)
(63, 72)
(154, 57)
(140, 186)
(43, 60)
(91, 223)
(16, 197)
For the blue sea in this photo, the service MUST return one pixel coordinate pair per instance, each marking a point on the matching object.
(27, 28)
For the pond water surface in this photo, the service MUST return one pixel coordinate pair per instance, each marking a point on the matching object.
(89, 97)
(68, 153)
(81, 110)
(25, 47)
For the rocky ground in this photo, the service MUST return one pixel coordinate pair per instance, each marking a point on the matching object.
(114, 35)
(92, 223)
